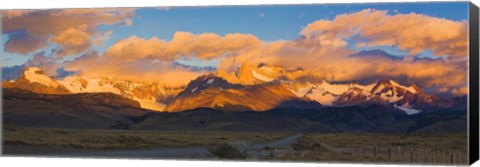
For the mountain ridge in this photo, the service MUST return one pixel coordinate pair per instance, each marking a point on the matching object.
(214, 92)
(150, 96)
(267, 87)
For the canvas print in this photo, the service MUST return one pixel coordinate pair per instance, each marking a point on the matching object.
(355, 83)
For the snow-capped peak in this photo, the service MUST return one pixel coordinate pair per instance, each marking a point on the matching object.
(407, 108)
(83, 84)
(36, 75)
(389, 84)
(411, 89)
(342, 88)
(335, 88)
(261, 77)
(381, 92)
(321, 96)
(148, 95)
(210, 81)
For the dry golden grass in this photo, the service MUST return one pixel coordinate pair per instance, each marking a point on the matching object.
(384, 148)
(447, 141)
(126, 139)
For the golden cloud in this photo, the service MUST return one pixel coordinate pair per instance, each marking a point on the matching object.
(412, 32)
(146, 70)
(204, 46)
(38, 27)
(322, 49)
(153, 60)
(73, 40)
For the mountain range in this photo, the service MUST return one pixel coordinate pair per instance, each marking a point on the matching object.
(259, 88)
(150, 96)
(253, 98)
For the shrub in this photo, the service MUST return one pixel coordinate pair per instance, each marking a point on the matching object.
(232, 150)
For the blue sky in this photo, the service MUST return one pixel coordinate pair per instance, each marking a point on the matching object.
(270, 23)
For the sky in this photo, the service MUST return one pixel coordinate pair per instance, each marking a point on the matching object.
(429, 35)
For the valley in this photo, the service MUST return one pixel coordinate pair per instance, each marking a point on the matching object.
(447, 148)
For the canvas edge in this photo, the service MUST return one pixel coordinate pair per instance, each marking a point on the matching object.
(1, 90)
(473, 108)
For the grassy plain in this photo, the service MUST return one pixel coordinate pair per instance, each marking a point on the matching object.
(318, 147)
(127, 139)
(383, 148)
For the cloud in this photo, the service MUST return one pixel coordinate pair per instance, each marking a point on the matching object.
(100, 40)
(133, 48)
(302, 15)
(261, 14)
(323, 49)
(167, 73)
(154, 60)
(39, 27)
(11, 14)
(164, 8)
(22, 42)
(205, 46)
(327, 58)
(40, 60)
(412, 32)
(338, 65)
(73, 40)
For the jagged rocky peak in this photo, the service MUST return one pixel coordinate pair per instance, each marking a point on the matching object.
(204, 82)
(214, 92)
(383, 86)
(410, 99)
(245, 74)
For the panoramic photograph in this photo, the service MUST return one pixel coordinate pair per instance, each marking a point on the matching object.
(356, 83)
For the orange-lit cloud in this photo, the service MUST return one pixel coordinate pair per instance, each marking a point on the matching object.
(153, 60)
(336, 64)
(73, 40)
(321, 49)
(147, 70)
(203, 46)
(74, 30)
(412, 32)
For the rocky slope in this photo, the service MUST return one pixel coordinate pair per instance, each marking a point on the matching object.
(83, 110)
(150, 96)
(214, 92)
(248, 74)
(33, 79)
